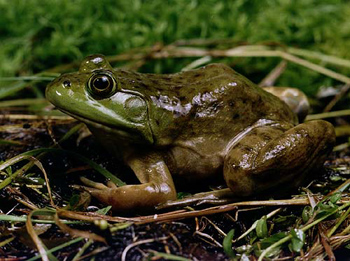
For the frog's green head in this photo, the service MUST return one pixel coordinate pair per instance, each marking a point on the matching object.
(95, 96)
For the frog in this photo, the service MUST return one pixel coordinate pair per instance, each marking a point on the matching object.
(195, 125)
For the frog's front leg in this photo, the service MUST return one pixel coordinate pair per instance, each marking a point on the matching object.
(156, 186)
(268, 157)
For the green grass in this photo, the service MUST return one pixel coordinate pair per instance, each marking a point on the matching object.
(38, 34)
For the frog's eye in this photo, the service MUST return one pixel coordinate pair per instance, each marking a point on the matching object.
(102, 84)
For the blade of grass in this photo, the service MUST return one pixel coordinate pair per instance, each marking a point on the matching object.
(339, 222)
(38, 243)
(22, 102)
(76, 232)
(6, 241)
(167, 256)
(305, 228)
(12, 218)
(12, 161)
(41, 152)
(82, 250)
(320, 56)
(330, 114)
(54, 249)
(81, 158)
(26, 78)
(35, 117)
(12, 89)
(10, 142)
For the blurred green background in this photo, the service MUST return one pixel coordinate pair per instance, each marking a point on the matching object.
(36, 35)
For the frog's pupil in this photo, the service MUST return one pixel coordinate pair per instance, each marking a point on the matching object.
(101, 83)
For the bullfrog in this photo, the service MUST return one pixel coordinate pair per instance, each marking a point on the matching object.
(195, 125)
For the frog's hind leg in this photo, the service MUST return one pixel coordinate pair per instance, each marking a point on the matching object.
(268, 157)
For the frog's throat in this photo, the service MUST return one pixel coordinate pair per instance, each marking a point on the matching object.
(246, 131)
(108, 129)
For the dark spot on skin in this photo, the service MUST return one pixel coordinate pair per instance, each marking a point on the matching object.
(280, 128)
(259, 100)
(253, 132)
(192, 113)
(246, 148)
(235, 116)
(154, 81)
(232, 184)
(26, 126)
(265, 136)
(141, 85)
(177, 113)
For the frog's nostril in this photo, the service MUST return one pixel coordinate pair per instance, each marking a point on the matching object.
(67, 84)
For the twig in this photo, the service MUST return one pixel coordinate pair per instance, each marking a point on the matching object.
(325, 244)
(172, 51)
(341, 147)
(241, 52)
(196, 63)
(330, 114)
(344, 90)
(141, 242)
(215, 226)
(320, 56)
(340, 188)
(343, 130)
(271, 78)
(208, 237)
(335, 242)
(181, 214)
(271, 214)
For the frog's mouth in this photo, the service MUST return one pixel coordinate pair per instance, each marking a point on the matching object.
(118, 132)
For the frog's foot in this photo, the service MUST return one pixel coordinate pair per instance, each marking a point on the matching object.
(295, 99)
(128, 198)
(268, 157)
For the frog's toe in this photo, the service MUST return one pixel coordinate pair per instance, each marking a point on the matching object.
(85, 188)
(100, 194)
(111, 184)
(93, 184)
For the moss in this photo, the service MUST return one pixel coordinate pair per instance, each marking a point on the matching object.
(38, 34)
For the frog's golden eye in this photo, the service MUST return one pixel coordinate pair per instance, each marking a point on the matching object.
(102, 84)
